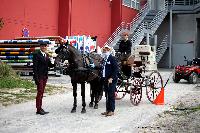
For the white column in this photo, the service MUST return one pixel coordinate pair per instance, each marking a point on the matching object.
(155, 41)
(148, 39)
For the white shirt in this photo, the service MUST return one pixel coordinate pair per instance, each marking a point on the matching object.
(104, 67)
(43, 53)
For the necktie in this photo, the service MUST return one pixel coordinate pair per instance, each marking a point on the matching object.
(104, 62)
(44, 56)
(103, 65)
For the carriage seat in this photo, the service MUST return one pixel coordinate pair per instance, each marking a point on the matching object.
(138, 63)
(144, 53)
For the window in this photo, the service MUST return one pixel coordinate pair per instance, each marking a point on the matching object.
(135, 4)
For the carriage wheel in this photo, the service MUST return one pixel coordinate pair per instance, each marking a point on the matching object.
(121, 89)
(154, 83)
(136, 92)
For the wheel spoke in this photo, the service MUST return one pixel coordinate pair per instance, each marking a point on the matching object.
(154, 87)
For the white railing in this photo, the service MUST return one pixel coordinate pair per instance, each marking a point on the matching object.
(153, 26)
(138, 36)
(115, 34)
(183, 2)
(161, 49)
(139, 17)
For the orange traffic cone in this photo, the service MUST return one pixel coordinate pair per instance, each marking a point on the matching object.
(160, 98)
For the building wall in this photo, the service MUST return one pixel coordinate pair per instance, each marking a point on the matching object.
(184, 32)
(91, 17)
(128, 14)
(40, 19)
(116, 14)
(63, 17)
(120, 13)
(184, 27)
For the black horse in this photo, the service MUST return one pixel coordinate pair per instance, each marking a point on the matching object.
(80, 72)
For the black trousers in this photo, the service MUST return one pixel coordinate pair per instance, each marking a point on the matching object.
(110, 95)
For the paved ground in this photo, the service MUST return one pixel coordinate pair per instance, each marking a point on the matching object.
(21, 118)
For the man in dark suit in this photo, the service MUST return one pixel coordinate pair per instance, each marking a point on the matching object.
(41, 62)
(109, 75)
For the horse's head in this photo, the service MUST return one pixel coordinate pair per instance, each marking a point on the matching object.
(63, 54)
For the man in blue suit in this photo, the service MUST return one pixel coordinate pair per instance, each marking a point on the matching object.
(110, 70)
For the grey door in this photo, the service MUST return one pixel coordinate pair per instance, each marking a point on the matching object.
(181, 50)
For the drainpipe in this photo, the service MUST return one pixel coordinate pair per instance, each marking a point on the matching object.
(170, 42)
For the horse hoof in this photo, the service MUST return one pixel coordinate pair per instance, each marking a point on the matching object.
(83, 111)
(96, 106)
(90, 104)
(73, 110)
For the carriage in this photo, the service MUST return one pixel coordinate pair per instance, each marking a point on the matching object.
(140, 78)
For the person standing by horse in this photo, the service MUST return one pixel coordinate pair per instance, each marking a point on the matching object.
(41, 62)
(109, 76)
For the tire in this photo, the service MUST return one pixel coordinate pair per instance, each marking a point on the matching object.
(176, 79)
(154, 84)
(193, 78)
(121, 89)
(136, 92)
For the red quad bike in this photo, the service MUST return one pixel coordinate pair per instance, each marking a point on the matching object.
(189, 72)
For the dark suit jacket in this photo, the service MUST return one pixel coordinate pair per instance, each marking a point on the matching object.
(40, 65)
(111, 68)
(125, 46)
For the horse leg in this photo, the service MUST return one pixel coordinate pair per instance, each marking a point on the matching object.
(83, 97)
(96, 99)
(91, 96)
(75, 95)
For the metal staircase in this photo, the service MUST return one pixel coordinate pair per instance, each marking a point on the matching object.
(161, 49)
(116, 36)
(138, 34)
(150, 24)
(146, 21)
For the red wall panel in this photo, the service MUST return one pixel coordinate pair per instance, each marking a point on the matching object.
(91, 17)
(39, 16)
(64, 18)
(128, 14)
(116, 14)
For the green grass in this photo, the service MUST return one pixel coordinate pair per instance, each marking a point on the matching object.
(9, 79)
(14, 90)
(12, 82)
(7, 71)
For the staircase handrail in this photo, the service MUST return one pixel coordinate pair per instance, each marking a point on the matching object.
(128, 26)
(139, 32)
(161, 48)
(139, 17)
(183, 3)
(116, 33)
(158, 18)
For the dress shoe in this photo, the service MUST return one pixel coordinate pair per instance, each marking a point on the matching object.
(42, 112)
(110, 113)
(104, 113)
